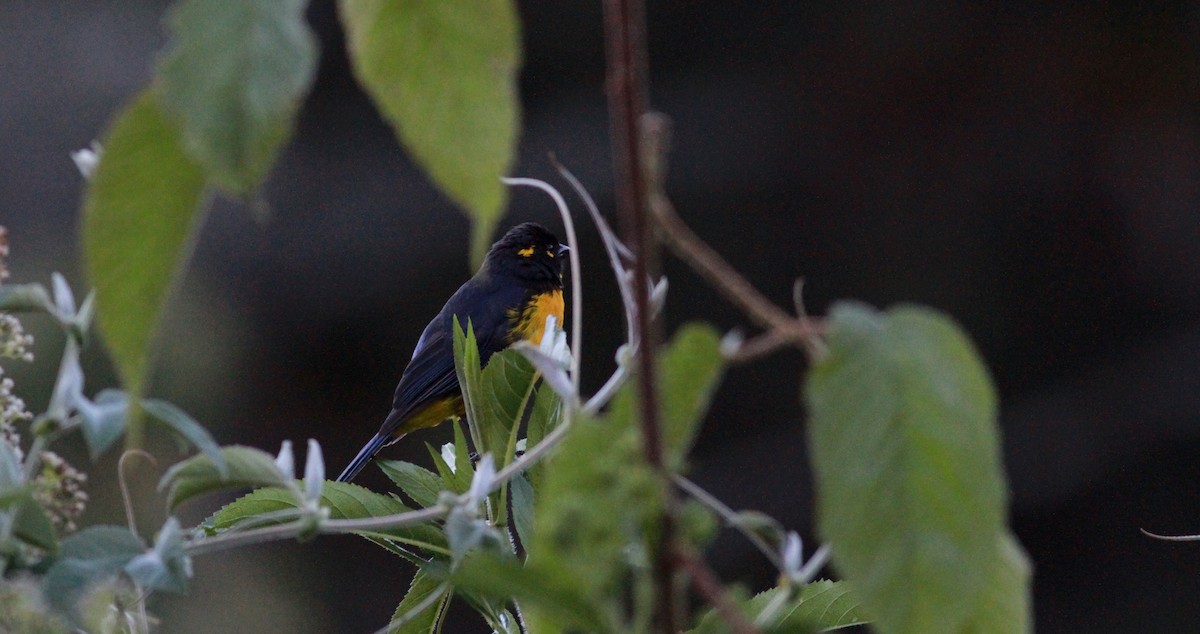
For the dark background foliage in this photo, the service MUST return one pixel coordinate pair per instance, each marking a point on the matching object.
(1034, 170)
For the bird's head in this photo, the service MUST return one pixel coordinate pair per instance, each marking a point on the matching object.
(529, 251)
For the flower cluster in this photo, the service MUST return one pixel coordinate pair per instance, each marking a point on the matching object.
(59, 491)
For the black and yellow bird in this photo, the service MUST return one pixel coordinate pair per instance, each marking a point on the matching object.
(508, 300)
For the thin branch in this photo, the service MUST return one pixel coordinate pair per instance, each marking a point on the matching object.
(625, 47)
(783, 329)
(1171, 538)
(126, 498)
(576, 271)
(709, 587)
(731, 518)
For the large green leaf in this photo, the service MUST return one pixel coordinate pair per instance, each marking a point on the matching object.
(234, 80)
(140, 211)
(1006, 605)
(422, 607)
(444, 75)
(241, 468)
(691, 369)
(819, 607)
(596, 499)
(910, 489)
(344, 500)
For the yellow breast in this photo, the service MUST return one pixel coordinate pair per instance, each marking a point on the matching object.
(531, 322)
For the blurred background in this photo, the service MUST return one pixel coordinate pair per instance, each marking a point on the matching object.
(1033, 169)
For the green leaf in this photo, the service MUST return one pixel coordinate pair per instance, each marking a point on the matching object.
(103, 421)
(166, 566)
(450, 480)
(507, 386)
(691, 369)
(245, 467)
(467, 367)
(187, 427)
(544, 417)
(596, 498)
(522, 508)
(418, 483)
(464, 471)
(344, 500)
(444, 75)
(820, 606)
(234, 80)
(1006, 605)
(906, 454)
(88, 556)
(557, 598)
(33, 527)
(139, 214)
(424, 591)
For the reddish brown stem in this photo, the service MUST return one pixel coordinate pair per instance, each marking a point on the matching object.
(709, 587)
(625, 45)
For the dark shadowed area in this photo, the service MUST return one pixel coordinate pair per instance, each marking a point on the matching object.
(1031, 169)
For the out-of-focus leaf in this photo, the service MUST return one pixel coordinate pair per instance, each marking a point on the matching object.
(234, 80)
(88, 556)
(596, 498)
(444, 75)
(427, 619)
(910, 490)
(103, 420)
(166, 566)
(245, 467)
(139, 212)
(418, 483)
(1007, 605)
(19, 298)
(557, 599)
(32, 526)
(187, 427)
(691, 369)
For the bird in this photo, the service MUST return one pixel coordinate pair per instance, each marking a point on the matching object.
(519, 285)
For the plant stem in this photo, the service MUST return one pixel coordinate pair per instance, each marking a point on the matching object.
(731, 518)
(625, 45)
(709, 587)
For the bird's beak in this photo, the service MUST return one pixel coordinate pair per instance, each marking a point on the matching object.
(563, 250)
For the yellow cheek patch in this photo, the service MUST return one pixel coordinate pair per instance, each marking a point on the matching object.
(526, 252)
(549, 253)
(531, 323)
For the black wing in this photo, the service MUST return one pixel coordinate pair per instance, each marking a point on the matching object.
(430, 375)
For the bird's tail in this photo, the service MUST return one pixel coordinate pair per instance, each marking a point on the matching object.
(364, 456)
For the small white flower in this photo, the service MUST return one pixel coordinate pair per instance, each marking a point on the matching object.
(314, 472)
(286, 461)
(554, 343)
(87, 159)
